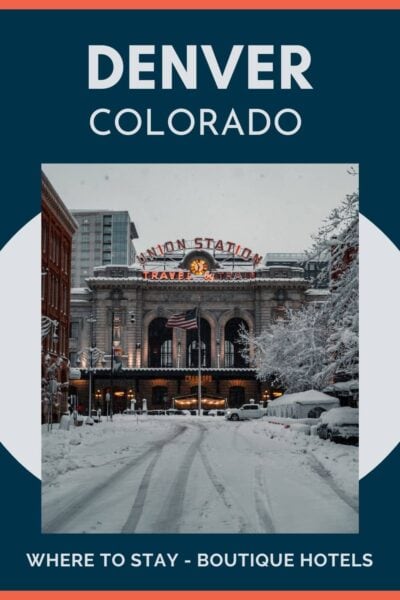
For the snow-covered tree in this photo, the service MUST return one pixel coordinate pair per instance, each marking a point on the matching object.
(319, 343)
(339, 236)
(292, 351)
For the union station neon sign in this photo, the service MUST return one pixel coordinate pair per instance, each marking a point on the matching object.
(231, 249)
(187, 276)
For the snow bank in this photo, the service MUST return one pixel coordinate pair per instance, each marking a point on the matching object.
(340, 461)
(97, 445)
(301, 428)
(290, 420)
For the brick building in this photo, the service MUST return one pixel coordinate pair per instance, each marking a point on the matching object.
(58, 227)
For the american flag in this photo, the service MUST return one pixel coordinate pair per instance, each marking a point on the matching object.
(185, 320)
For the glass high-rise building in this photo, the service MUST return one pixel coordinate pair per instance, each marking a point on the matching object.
(103, 238)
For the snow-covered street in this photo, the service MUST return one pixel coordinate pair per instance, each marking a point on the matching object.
(196, 475)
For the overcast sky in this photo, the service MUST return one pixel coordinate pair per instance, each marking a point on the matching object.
(268, 208)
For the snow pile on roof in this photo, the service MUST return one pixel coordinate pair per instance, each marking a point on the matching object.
(308, 397)
(351, 385)
(340, 416)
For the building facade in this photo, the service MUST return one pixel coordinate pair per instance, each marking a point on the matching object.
(58, 227)
(103, 237)
(124, 312)
(314, 268)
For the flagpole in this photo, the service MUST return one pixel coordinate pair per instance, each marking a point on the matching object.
(199, 361)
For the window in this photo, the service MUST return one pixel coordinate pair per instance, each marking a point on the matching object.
(192, 349)
(74, 329)
(160, 344)
(117, 322)
(166, 353)
(44, 236)
(233, 345)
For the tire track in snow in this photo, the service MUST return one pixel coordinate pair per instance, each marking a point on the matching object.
(59, 522)
(220, 488)
(169, 520)
(139, 503)
(262, 502)
(320, 470)
(241, 443)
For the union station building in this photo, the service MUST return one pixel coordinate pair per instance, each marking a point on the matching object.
(118, 322)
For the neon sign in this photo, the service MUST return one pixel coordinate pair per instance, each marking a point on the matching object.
(187, 276)
(230, 249)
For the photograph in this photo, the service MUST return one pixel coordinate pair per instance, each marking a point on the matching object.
(200, 348)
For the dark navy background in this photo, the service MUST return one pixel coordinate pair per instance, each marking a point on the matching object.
(351, 116)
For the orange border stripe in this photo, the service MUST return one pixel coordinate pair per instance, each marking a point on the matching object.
(200, 4)
(198, 595)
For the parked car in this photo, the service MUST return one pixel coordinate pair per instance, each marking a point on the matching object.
(156, 412)
(339, 425)
(247, 411)
(129, 411)
(173, 412)
(216, 413)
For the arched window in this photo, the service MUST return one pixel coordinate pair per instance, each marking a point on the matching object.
(159, 396)
(233, 346)
(160, 344)
(236, 396)
(192, 352)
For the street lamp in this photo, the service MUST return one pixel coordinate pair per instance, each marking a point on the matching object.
(98, 396)
(90, 354)
(132, 320)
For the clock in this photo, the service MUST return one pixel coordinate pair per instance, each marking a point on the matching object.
(199, 266)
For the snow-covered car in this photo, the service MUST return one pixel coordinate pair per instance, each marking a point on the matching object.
(339, 425)
(173, 411)
(156, 412)
(216, 413)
